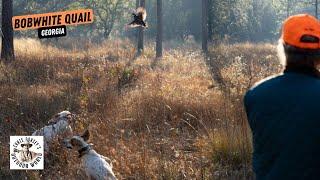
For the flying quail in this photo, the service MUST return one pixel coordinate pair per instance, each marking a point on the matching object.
(139, 18)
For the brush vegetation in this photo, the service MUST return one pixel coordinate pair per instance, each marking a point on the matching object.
(181, 117)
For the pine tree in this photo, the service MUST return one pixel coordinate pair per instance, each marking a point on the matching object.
(159, 29)
(7, 49)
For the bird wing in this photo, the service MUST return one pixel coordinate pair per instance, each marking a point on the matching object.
(142, 13)
(133, 25)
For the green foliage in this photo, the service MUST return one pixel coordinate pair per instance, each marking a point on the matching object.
(242, 20)
(231, 20)
(106, 13)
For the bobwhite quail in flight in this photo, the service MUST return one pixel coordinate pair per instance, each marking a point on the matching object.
(139, 18)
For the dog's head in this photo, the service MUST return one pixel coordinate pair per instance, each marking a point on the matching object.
(78, 142)
(64, 115)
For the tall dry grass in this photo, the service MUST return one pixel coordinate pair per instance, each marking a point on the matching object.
(177, 118)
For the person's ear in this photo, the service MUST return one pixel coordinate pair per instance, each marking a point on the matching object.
(86, 135)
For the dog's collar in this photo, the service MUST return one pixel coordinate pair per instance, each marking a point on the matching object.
(84, 150)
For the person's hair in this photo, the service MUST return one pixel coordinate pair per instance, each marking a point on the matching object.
(291, 56)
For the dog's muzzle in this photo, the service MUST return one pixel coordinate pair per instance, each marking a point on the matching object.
(66, 143)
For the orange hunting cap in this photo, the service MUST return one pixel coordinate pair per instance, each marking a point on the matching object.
(301, 31)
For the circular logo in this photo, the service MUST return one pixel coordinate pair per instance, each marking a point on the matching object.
(26, 152)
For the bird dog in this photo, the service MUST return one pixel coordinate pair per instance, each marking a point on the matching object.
(96, 166)
(58, 127)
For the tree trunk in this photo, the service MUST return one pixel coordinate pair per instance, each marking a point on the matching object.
(7, 50)
(316, 9)
(140, 32)
(288, 6)
(205, 25)
(210, 20)
(159, 29)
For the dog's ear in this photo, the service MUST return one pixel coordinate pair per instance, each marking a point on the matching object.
(54, 119)
(86, 135)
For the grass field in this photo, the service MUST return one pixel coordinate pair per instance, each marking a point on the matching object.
(177, 118)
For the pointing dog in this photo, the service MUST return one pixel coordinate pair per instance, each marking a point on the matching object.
(96, 166)
(59, 127)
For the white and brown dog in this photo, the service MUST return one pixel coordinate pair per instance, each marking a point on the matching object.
(59, 127)
(96, 166)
